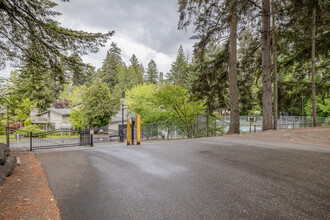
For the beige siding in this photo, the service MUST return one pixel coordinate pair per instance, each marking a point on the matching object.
(56, 119)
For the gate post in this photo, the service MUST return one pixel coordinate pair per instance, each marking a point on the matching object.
(128, 132)
(196, 122)
(133, 123)
(30, 140)
(138, 134)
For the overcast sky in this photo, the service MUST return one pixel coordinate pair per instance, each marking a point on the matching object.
(147, 28)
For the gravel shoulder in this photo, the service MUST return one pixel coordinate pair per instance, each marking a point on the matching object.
(26, 194)
(316, 136)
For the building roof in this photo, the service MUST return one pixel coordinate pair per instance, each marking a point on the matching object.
(63, 111)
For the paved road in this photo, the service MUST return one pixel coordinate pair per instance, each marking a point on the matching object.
(209, 178)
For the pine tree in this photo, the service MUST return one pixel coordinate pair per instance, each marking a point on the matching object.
(161, 77)
(274, 65)
(211, 19)
(266, 75)
(178, 72)
(136, 70)
(109, 69)
(233, 90)
(23, 22)
(152, 72)
(308, 24)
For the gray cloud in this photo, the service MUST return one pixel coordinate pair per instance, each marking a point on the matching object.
(149, 22)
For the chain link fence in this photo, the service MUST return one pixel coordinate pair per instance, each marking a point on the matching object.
(216, 126)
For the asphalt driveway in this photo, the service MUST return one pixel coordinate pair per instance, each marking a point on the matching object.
(208, 178)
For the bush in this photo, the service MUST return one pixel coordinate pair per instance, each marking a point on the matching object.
(2, 130)
(27, 122)
(36, 131)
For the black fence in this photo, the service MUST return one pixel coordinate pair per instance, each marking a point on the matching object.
(59, 139)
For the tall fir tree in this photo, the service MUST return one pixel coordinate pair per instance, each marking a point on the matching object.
(152, 72)
(109, 69)
(178, 72)
(136, 70)
(211, 20)
(267, 106)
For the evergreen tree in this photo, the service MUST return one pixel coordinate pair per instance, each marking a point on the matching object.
(161, 77)
(23, 22)
(212, 18)
(109, 69)
(266, 75)
(152, 72)
(98, 105)
(136, 70)
(178, 72)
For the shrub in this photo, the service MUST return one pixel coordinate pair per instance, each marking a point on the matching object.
(36, 131)
(2, 130)
(27, 122)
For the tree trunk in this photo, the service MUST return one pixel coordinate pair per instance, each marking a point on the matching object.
(274, 65)
(313, 65)
(266, 75)
(233, 90)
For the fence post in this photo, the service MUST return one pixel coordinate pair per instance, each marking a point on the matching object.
(215, 125)
(197, 122)
(172, 130)
(207, 122)
(92, 140)
(30, 140)
(7, 136)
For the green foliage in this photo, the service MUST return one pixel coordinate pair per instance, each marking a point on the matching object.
(140, 101)
(73, 93)
(24, 23)
(178, 73)
(77, 118)
(2, 130)
(23, 108)
(36, 131)
(136, 70)
(152, 72)
(208, 79)
(322, 108)
(109, 70)
(27, 122)
(99, 105)
(169, 104)
(176, 102)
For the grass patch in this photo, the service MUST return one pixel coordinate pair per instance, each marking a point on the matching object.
(64, 136)
(3, 138)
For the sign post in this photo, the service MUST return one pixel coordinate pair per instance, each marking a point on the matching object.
(251, 119)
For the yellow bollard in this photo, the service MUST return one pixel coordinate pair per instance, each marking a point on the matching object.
(128, 132)
(138, 129)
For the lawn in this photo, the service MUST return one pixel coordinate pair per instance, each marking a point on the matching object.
(4, 139)
(12, 137)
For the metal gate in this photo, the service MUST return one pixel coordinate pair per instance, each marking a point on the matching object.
(59, 139)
